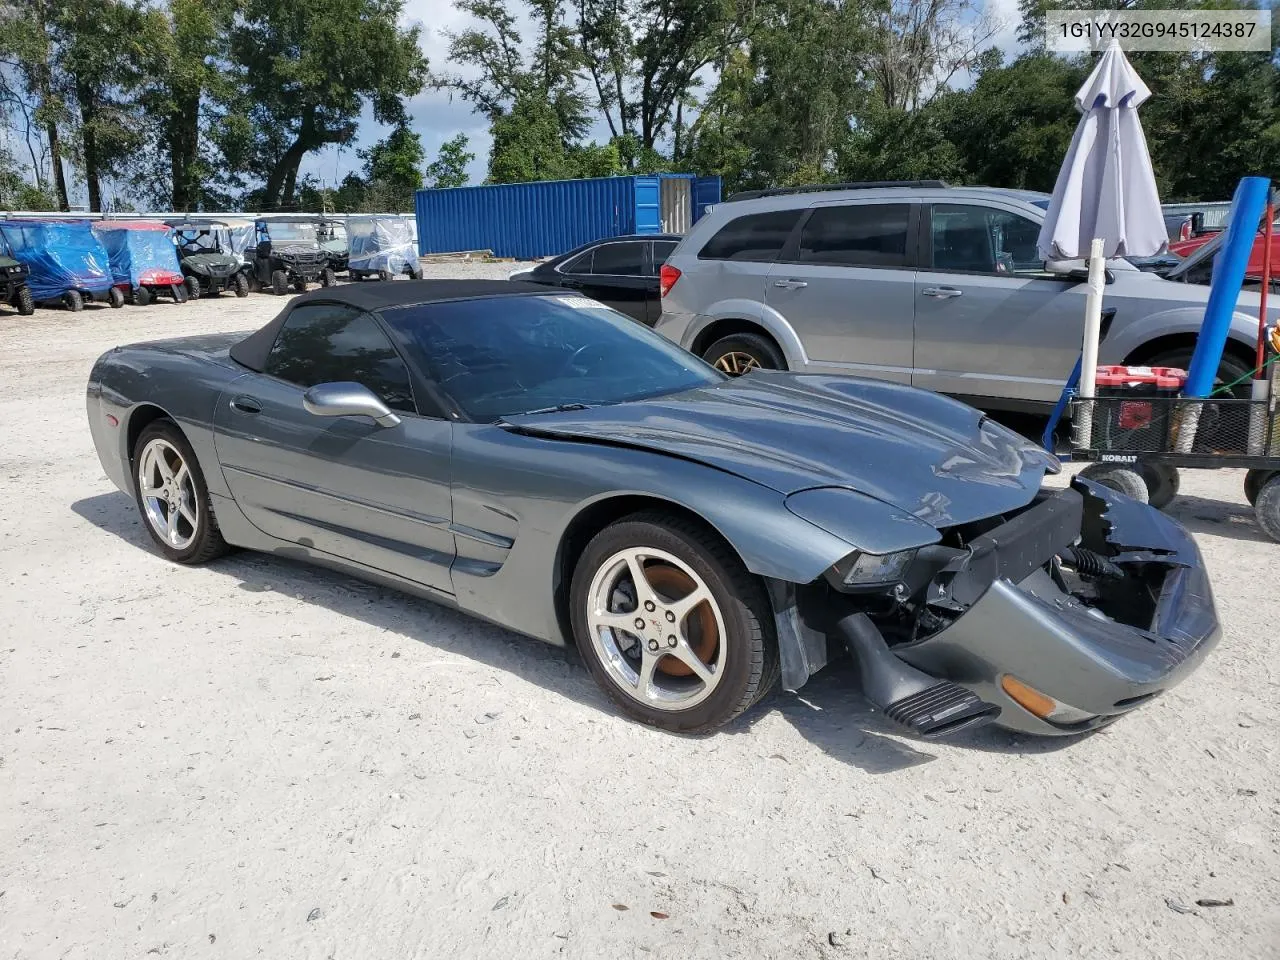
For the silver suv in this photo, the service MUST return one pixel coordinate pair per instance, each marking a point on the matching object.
(921, 283)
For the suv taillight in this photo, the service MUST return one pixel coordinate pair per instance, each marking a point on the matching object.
(1185, 232)
(667, 278)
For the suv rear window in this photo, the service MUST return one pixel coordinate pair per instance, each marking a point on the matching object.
(757, 236)
(859, 235)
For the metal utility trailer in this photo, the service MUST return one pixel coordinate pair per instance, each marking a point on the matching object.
(1138, 444)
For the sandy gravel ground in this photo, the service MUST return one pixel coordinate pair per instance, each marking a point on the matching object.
(261, 759)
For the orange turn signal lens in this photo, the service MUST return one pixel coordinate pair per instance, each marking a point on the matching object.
(1029, 698)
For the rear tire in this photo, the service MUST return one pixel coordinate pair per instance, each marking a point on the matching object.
(141, 296)
(741, 353)
(1122, 479)
(73, 301)
(242, 285)
(193, 288)
(187, 494)
(1267, 509)
(1162, 483)
(115, 296)
(300, 286)
(179, 292)
(279, 283)
(729, 632)
(25, 302)
(385, 275)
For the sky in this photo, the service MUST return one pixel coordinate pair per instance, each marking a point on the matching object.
(438, 116)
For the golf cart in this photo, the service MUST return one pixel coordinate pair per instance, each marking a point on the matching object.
(382, 247)
(204, 253)
(288, 253)
(66, 262)
(333, 241)
(143, 262)
(13, 282)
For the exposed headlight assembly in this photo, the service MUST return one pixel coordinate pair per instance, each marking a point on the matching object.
(873, 569)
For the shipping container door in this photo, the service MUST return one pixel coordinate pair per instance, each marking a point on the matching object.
(706, 191)
(648, 205)
(677, 214)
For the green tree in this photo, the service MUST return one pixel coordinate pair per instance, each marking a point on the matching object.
(393, 169)
(308, 66)
(449, 168)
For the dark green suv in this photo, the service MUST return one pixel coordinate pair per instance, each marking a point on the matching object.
(13, 282)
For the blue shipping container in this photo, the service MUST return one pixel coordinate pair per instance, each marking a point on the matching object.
(544, 219)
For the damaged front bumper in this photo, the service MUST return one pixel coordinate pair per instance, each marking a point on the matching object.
(1079, 609)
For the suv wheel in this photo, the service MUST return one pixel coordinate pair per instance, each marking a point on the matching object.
(741, 353)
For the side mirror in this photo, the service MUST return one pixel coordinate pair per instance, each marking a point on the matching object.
(347, 400)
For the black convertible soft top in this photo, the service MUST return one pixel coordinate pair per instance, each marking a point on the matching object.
(252, 351)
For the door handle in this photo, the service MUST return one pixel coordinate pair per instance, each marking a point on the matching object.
(244, 404)
(790, 284)
(941, 293)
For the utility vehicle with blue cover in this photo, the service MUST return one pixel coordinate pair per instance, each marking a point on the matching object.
(67, 263)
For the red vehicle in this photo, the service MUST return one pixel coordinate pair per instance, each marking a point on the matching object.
(1184, 248)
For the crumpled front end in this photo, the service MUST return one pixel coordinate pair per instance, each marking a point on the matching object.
(1056, 620)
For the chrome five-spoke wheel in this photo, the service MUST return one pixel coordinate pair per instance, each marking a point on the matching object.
(670, 623)
(172, 496)
(168, 494)
(657, 628)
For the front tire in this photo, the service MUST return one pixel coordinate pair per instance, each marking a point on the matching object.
(671, 624)
(73, 301)
(279, 283)
(172, 496)
(115, 296)
(25, 302)
(141, 296)
(328, 278)
(193, 288)
(741, 353)
(1122, 479)
(242, 285)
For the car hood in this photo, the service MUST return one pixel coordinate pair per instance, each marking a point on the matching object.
(924, 454)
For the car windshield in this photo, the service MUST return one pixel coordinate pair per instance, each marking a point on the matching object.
(291, 231)
(501, 356)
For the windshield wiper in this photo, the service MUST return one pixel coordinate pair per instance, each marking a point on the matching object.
(558, 408)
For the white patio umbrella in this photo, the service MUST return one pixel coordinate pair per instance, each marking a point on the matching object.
(1105, 203)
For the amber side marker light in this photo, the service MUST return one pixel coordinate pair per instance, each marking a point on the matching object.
(1027, 697)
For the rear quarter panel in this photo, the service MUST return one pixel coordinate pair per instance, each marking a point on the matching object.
(127, 382)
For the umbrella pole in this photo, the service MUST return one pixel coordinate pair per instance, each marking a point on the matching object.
(1089, 353)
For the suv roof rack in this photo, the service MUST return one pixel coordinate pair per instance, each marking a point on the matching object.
(821, 187)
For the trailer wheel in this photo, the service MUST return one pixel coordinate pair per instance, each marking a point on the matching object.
(25, 302)
(1267, 509)
(193, 288)
(1162, 484)
(115, 297)
(242, 285)
(73, 301)
(1254, 481)
(279, 283)
(1124, 480)
(328, 278)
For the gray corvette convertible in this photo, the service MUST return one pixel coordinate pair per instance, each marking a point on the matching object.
(546, 463)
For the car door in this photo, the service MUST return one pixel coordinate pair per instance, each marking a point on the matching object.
(990, 322)
(343, 486)
(659, 250)
(845, 283)
(617, 278)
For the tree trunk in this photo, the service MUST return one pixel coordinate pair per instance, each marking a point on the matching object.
(55, 160)
(284, 175)
(184, 144)
(89, 141)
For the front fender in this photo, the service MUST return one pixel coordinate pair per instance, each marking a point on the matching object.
(1128, 338)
